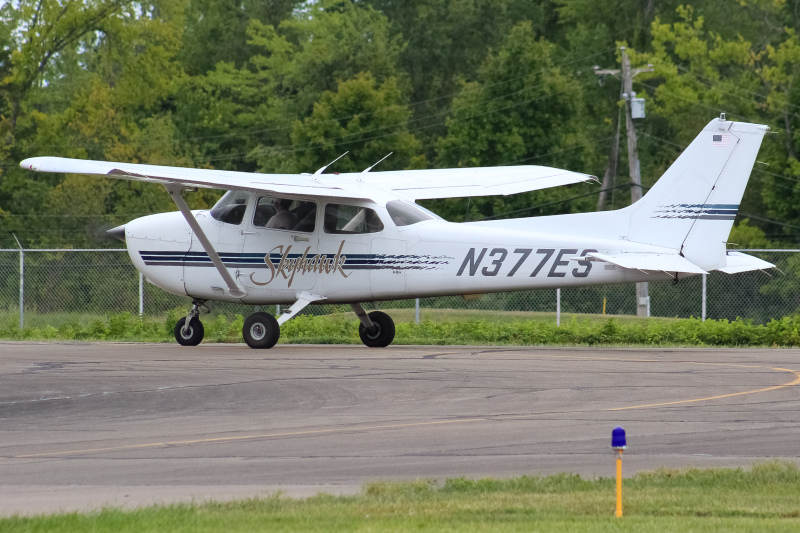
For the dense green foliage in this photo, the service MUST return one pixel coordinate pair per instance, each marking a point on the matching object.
(342, 328)
(287, 85)
(763, 499)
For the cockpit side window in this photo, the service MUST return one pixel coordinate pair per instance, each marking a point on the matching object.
(342, 218)
(231, 207)
(283, 213)
(406, 214)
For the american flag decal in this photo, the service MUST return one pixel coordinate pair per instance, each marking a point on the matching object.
(721, 140)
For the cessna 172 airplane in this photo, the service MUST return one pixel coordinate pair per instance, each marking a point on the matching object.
(352, 238)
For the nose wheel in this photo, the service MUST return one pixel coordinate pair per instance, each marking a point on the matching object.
(189, 330)
(190, 335)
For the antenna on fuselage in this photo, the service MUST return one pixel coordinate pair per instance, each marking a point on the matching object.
(376, 164)
(321, 170)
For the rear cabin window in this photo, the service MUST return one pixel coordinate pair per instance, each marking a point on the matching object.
(231, 207)
(405, 214)
(283, 213)
(349, 219)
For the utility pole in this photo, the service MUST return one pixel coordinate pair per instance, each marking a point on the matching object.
(627, 74)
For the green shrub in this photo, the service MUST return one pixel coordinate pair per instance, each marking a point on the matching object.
(342, 328)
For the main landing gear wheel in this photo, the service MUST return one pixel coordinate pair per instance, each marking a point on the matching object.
(261, 330)
(382, 333)
(190, 335)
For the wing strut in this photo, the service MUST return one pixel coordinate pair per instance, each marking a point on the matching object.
(233, 289)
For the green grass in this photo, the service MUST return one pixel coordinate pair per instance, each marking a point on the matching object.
(449, 315)
(436, 328)
(764, 499)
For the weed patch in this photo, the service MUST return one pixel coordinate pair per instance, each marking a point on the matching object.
(342, 328)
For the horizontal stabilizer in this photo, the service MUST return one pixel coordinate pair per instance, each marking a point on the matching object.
(736, 262)
(648, 261)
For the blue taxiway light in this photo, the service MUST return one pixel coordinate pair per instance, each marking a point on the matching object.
(618, 441)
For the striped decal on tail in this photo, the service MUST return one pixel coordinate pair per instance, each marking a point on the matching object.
(697, 211)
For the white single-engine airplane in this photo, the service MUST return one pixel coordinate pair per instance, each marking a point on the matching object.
(353, 238)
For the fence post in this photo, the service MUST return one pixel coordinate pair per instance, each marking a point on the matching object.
(703, 311)
(416, 306)
(21, 288)
(558, 307)
(141, 295)
(21, 284)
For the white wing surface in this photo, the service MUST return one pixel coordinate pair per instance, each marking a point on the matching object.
(480, 181)
(410, 184)
(195, 177)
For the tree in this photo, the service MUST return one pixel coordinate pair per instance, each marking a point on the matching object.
(447, 41)
(95, 99)
(45, 29)
(698, 74)
(368, 121)
(244, 116)
(522, 109)
(216, 30)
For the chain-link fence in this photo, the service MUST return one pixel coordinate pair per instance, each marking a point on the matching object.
(52, 287)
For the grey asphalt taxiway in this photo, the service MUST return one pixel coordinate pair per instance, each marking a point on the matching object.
(88, 425)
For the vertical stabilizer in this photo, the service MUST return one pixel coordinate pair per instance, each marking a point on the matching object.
(692, 206)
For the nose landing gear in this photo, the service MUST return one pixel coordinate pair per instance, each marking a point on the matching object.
(189, 330)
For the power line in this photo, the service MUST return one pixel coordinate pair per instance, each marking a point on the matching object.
(557, 202)
(287, 149)
(769, 220)
(698, 104)
(288, 125)
(575, 147)
(755, 169)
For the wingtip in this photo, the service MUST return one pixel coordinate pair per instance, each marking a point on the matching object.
(29, 164)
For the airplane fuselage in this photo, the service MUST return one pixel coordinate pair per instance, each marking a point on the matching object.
(427, 258)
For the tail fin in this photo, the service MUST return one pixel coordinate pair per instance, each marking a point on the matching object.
(692, 207)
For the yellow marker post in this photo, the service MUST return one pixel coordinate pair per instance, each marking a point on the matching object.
(619, 483)
(604, 305)
(619, 444)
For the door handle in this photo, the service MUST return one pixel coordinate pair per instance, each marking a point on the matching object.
(249, 232)
(298, 238)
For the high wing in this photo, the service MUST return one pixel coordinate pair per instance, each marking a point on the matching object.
(480, 181)
(410, 184)
(197, 177)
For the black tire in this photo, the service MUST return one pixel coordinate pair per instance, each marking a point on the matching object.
(261, 330)
(382, 334)
(193, 336)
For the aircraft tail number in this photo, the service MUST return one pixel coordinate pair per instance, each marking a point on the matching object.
(494, 260)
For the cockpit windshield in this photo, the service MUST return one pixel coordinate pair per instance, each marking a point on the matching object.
(406, 214)
(231, 207)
